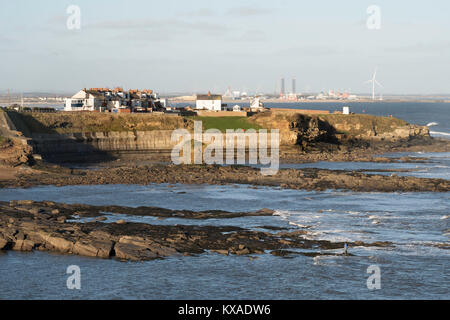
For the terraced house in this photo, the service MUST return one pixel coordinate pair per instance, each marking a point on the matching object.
(113, 100)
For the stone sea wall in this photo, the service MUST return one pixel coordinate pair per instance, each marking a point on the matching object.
(102, 141)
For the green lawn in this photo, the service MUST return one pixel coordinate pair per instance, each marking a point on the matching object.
(224, 123)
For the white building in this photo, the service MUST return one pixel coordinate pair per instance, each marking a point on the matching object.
(84, 100)
(164, 102)
(256, 105)
(103, 99)
(346, 110)
(212, 102)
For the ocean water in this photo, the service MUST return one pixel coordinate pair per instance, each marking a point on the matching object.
(437, 165)
(415, 267)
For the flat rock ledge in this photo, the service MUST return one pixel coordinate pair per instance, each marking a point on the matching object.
(26, 226)
(306, 179)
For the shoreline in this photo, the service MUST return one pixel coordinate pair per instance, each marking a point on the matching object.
(145, 168)
(278, 101)
(298, 179)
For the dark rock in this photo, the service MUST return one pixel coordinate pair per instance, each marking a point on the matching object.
(140, 241)
(93, 248)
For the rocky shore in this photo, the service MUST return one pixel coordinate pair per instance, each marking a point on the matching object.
(307, 179)
(362, 151)
(62, 137)
(47, 226)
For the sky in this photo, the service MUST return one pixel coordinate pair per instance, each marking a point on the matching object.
(196, 46)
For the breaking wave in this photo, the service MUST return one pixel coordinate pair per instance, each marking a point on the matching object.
(440, 133)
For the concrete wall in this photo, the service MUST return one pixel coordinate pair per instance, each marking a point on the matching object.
(102, 141)
(221, 113)
(301, 111)
(9, 130)
(82, 143)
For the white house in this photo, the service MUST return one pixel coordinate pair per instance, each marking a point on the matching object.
(114, 104)
(210, 101)
(104, 99)
(346, 110)
(164, 102)
(236, 108)
(84, 100)
(256, 105)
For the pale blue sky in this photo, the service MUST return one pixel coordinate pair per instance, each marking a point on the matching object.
(207, 45)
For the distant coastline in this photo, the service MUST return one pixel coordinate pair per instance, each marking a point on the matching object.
(356, 101)
(278, 101)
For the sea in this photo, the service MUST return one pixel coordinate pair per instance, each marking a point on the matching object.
(417, 224)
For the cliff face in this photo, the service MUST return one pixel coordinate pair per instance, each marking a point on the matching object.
(14, 148)
(305, 129)
(51, 134)
(14, 153)
(367, 127)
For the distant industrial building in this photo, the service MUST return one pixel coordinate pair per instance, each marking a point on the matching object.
(290, 95)
(282, 88)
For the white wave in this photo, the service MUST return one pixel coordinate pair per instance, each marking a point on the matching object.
(299, 225)
(282, 213)
(440, 133)
(375, 219)
(445, 217)
(432, 124)
(285, 215)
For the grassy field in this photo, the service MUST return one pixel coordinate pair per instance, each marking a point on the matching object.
(66, 122)
(224, 123)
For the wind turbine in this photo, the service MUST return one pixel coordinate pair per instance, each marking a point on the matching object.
(374, 81)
